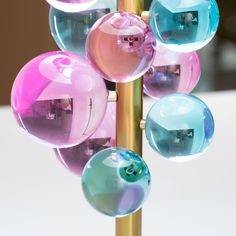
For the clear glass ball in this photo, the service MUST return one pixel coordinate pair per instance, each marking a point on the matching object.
(75, 158)
(121, 47)
(72, 5)
(184, 25)
(70, 30)
(116, 182)
(179, 127)
(58, 99)
(172, 72)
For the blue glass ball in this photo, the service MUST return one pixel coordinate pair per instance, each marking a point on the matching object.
(70, 29)
(116, 182)
(179, 127)
(184, 25)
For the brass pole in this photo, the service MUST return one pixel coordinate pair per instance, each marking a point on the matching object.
(129, 115)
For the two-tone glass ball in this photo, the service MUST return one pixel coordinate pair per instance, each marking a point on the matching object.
(116, 182)
(184, 25)
(179, 127)
(70, 29)
(172, 72)
(58, 99)
(121, 47)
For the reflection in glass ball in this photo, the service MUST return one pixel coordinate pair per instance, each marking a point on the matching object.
(172, 72)
(72, 5)
(185, 25)
(179, 127)
(58, 99)
(116, 182)
(121, 47)
(70, 30)
(75, 158)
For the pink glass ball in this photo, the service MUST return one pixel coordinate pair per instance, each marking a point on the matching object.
(72, 5)
(58, 99)
(121, 47)
(75, 158)
(172, 72)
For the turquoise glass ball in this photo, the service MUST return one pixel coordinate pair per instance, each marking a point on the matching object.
(179, 127)
(70, 29)
(184, 25)
(116, 182)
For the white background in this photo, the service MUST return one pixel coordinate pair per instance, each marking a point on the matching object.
(39, 197)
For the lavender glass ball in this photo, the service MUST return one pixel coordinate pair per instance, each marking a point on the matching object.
(72, 5)
(70, 29)
(116, 182)
(121, 47)
(75, 158)
(172, 72)
(58, 99)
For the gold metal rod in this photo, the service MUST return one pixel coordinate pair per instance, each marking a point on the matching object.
(129, 134)
(131, 6)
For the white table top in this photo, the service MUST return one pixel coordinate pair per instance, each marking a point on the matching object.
(39, 197)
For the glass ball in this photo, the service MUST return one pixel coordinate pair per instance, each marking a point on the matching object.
(70, 30)
(116, 182)
(172, 72)
(58, 99)
(179, 127)
(121, 47)
(75, 158)
(185, 25)
(72, 5)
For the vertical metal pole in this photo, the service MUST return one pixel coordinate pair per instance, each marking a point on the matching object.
(129, 115)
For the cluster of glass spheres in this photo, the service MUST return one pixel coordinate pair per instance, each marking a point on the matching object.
(60, 98)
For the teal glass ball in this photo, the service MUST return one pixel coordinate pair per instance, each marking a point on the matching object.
(70, 29)
(179, 127)
(116, 182)
(184, 25)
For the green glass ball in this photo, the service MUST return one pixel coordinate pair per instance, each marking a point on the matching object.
(116, 182)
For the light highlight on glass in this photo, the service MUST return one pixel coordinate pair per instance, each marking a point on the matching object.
(58, 99)
(70, 30)
(172, 72)
(121, 47)
(75, 158)
(116, 182)
(186, 25)
(179, 127)
(72, 5)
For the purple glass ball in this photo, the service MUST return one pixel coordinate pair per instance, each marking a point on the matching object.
(75, 158)
(58, 99)
(172, 72)
(72, 5)
(121, 47)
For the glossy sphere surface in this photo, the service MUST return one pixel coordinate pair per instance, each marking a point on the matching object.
(58, 99)
(172, 72)
(116, 182)
(70, 30)
(179, 127)
(121, 47)
(72, 5)
(75, 158)
(185, 25)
